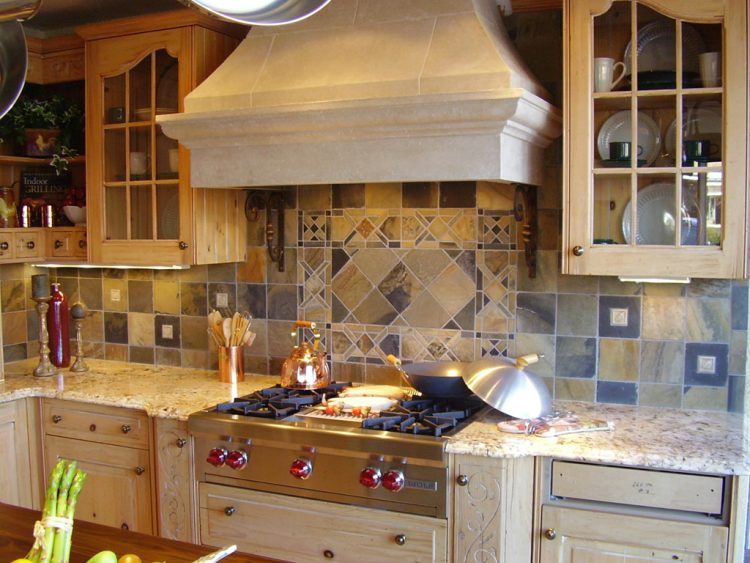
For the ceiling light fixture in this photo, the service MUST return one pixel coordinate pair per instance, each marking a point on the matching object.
(260, 12)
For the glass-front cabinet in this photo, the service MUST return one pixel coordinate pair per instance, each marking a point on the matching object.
(141, 206)
(656, 138)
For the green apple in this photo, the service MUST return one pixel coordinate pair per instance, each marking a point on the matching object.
(103, 557)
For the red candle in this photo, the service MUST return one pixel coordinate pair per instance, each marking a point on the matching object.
(57, 326)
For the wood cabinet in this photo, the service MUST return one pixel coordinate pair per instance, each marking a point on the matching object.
(112, 446)
(141, 208)
(588, 536)
(16, 486)
(492, 509)
(175, 484)
(675, 206)
(55, 59)
(299, 529)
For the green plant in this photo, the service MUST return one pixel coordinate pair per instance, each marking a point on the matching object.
(37, 113)
(61, 159)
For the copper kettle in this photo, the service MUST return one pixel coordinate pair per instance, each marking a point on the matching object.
(306, 367)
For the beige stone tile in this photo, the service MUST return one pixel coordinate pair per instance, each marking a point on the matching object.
(167, 297)
(375, 263)
(618, 359)
(383, 196)
(453, 289)
(662, 362)
(13, 296)
(426, 312)
(659, 395)
(141, 329)
(495, 196)
(705, 398)
(111, 288)
(664, 318)
(708, 320)
(197, 359)
(547, 268)
(351, 286)
(375, 309)
(193, 333)
(93, 327)
(14, 327)
(116, 352)
(194, 274)
(571, 389)
(738, 352)
(167, 357)
(314, 198)
(253, 270)
(16, 272)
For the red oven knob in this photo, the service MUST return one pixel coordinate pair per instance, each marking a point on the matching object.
(237, 459)
(217, 457)
(301, 468)
(393, 480)
(370, 477)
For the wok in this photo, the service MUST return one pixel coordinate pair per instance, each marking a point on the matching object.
(270, 12)
(442, 380)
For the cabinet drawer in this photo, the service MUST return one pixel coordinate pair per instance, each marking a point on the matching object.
(93, 423)
(638, 487)
(80, 244)
(28, 244)
(264, 523)
(6, 246)
(59, 244)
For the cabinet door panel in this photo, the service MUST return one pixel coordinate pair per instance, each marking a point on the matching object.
(592, 536)
(115, 494)
(174, 480)
(15, 484)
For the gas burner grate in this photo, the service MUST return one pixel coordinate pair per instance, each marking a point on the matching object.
(278, 402)
(424, 416)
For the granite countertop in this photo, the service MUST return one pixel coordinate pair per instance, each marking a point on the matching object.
(161, 391)
(700, 441)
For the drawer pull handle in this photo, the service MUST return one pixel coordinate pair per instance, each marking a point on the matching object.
(462, 480)
(550, 533)
(4, 246)
(328, 554)
(578, 251)
(56, 418)
(126, 428)
(183, 245)
(58, 244)
(400, 539)
(181, 442)
(229, 510)
(92, 428)
(30, 245)
(125, 526)
(140, 470)
(81, 243)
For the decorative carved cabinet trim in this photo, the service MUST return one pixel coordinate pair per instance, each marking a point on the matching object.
(175, 486)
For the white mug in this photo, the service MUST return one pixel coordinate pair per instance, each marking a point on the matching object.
(138, 163)
(604, 69)
(710, 65)
(174, 160)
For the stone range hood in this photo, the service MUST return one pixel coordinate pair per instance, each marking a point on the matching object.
(370, 91)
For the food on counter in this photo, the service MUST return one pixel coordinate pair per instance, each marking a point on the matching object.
(103, 557)
(53, 533)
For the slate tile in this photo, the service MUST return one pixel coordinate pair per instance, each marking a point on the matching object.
(662, 361)
(714, 375)
(739, 307)
(141, 355)
(575, 357)
(348, 195)
(574, 389)
(252, 298)
(140, 296)
(576, 315)
(536, 312)
(159, 322)
(633, 306)
(458, 194)
(618, 359)
(419, 194)
(736, 394)
(705, 398)
(659, 395)
(708, 320)
(116, 328)
(282, 302)
(617, 392)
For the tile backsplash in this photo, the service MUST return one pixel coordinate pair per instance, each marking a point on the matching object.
(423, 271)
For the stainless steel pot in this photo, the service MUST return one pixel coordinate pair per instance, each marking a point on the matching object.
(268, 12)
(442, 380)
(13, 54)
(504, 384)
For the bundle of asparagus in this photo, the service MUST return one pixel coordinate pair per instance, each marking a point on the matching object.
(53, 533)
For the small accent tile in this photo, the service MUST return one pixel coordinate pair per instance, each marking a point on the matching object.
(696, 354)
(633, 316)
(159, 322)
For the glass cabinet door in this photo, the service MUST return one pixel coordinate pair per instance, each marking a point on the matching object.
(656, 131)
(141, 165)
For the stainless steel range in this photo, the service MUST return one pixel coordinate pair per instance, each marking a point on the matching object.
(284, 441)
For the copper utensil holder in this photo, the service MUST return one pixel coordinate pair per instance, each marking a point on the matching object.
(231, 364)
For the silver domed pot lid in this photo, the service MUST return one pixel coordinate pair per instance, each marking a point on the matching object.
(505, 385)
(13, 54)
(260, 12)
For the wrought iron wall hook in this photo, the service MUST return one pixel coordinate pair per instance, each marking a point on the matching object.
(525, 212)
(273, 203)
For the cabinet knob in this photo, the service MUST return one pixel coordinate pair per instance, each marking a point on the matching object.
(82, 243)
(30, 245)
(126, 428)
(229, 510)
(462, 480)
(577, 251)
(56, 418)
(400, 539)
(140, 470)
(181, 442)
(124, 526)
(4, 245)
(328, 554)
(183, 245)
(550, 533)
(58, 244)
(92, 428)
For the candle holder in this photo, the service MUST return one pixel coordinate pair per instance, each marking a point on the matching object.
(79, 365)
(45, 367)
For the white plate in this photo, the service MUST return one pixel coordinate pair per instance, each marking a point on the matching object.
(657, 45)
(656, 222)
(617, 128)
(701, 122)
